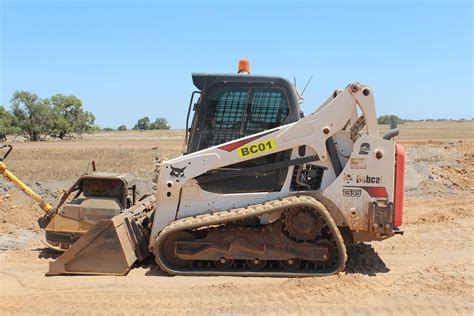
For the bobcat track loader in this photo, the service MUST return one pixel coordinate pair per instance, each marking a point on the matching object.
(260, 189)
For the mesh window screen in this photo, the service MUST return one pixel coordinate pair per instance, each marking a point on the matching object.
(231, 114)
(225, 112)
(268, 109)
(230, 110)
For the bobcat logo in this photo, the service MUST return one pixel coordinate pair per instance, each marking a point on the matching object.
(347, 177)
(177, 172)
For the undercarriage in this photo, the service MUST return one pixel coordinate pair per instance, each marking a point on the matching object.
(303, 241)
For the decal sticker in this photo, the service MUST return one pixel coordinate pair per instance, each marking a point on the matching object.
(232, 146)
(352, 192)
(369, 179)
(380, 192)
(362, 179)
(364, 149)
(358, 163)
(376, 191)
(347, 177)
(177, 172)
(257, 148)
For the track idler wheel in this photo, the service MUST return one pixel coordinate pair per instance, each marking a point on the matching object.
(169, 248)
(256, 264)
(290, 264)
(224, 263)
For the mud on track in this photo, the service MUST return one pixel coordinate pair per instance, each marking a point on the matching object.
(427, 271)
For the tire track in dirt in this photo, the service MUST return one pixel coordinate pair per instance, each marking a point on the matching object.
(245, 301)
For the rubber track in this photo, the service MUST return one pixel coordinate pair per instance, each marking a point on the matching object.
(248, 212)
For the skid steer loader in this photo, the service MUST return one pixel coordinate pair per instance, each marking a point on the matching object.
(260, 189)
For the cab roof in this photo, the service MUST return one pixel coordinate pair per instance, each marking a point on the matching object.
(202, 81)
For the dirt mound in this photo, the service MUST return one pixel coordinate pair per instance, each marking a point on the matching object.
(17, 210)
(433, 169)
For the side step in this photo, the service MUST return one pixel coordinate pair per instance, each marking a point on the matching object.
(112, 246)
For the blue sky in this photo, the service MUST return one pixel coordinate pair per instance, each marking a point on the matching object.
(128, 59)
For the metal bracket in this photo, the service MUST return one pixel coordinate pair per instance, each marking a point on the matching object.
(382, 217)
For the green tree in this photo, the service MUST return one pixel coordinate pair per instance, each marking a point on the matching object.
(387, 119)
(7, 124)
(69, 116)
(85, 123)
(160, 123)
(122, 128)
(33, 115)
(107, 129)
(143, 123)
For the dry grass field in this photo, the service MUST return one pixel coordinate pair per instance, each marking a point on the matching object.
(433, 131)
(128, 151)
(428, 271)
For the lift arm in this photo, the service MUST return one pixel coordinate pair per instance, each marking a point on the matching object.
(20, 184)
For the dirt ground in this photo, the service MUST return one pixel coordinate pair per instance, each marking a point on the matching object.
(427, 271)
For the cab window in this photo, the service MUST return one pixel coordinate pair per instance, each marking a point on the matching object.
(233, 112)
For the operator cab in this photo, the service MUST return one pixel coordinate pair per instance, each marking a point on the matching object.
(233, 106)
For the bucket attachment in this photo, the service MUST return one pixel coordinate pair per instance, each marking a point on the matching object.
(112, 246)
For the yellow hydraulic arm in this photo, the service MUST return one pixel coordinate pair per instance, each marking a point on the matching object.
(20, 184)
